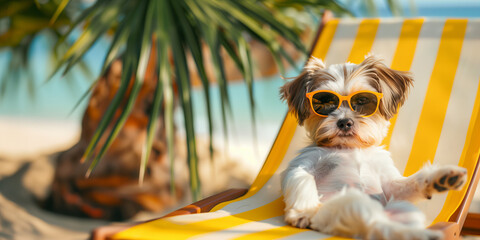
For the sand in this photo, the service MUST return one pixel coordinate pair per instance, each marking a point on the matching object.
(27, 149)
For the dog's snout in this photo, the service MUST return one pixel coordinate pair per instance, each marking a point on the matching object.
(345, 124)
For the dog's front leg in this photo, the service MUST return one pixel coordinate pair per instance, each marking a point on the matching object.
(300, 196)
(426, 182)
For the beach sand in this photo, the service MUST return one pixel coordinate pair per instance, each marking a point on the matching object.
(27, 149)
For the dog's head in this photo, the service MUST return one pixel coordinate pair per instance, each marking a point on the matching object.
(347, 126)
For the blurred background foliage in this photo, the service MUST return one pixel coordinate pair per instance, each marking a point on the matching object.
(21, 22)
(173, 31)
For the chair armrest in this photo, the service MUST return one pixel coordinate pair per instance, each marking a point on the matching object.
(205, 205)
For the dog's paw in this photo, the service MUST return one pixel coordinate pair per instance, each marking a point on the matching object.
(297, 218)
(445, 178)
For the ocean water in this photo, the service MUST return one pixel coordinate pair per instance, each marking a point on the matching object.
(51, 98)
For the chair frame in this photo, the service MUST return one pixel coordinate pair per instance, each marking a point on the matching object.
(460, 223)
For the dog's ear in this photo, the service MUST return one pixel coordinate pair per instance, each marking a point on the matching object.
(314, 65)
(294, 91)
(392, 83)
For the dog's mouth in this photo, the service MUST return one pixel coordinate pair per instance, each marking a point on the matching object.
(340, 135)
(339, 140)
(326, 136)
(346, 134)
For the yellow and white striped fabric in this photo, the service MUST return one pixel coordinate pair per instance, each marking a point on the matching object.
(438, 123)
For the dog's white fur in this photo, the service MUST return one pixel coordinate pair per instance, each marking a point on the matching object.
(345, 183)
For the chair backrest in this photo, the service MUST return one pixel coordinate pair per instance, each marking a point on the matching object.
(439, 122)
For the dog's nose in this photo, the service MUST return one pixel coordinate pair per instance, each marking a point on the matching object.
(345, 124)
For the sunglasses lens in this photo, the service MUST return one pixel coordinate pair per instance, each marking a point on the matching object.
(364, 103)
(325, 103)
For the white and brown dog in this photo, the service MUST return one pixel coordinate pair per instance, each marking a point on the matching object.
(345, 183)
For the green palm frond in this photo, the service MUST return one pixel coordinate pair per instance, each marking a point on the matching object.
(21, 22)
(178, 28)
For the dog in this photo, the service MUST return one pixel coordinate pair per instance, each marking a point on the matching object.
(345, 182)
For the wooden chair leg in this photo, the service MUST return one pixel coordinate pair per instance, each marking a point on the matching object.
(450, 230)
(472, 224)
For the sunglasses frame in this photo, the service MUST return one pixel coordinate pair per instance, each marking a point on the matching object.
(342, 98)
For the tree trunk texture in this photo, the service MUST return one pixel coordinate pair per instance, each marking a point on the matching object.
(112, 192)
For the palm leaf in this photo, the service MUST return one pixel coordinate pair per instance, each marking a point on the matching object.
(195, 46)
(181, 27)
(59, 10)
(213, 42)
(183, 83)
(265, 16)
(248, 76)
(135, 61)
(96, 8)
(230, 48)
(395, 7)
(205, 14)
(118, 41)
(84, 95)
(99, 25)
(119, 95)
(165, 76)
(151, 24)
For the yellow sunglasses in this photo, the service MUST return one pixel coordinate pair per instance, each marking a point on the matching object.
(324, 102)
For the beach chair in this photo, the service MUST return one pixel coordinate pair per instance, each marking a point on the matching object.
(440, 123)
